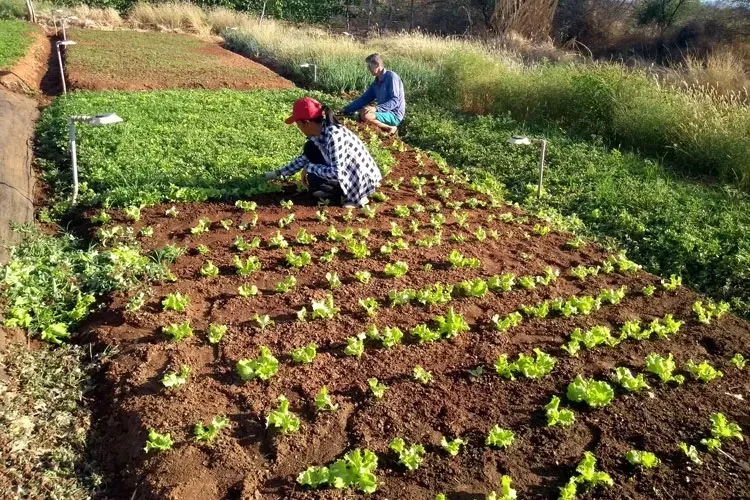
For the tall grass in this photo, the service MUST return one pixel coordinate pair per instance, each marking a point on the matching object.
(697, 133)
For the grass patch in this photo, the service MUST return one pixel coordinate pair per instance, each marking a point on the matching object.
(15, 39)
(174, 145)
(693, 131)
(109, 59)
(43, 424)
(668, 224)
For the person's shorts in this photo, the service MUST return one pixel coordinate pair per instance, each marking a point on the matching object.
(388, 118)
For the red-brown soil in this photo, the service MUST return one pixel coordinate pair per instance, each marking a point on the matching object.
(132, 60)
(26, 76)
(249, 461)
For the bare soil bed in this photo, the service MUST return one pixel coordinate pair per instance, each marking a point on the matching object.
(133, 60)
(247, 460)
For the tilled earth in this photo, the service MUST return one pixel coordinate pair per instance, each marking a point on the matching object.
(249, 461)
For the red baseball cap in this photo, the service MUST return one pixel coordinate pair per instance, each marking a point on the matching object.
(306, 108)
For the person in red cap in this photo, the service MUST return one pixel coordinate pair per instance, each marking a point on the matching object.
(335, 163)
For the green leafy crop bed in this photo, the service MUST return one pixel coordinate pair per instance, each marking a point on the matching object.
(172, 145)
(15, 39)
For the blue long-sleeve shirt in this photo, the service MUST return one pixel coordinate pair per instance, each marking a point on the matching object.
(389, 94)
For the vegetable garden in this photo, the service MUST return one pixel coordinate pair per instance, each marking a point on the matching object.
(439, 343)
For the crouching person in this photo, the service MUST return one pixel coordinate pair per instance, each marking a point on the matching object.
(335, 163)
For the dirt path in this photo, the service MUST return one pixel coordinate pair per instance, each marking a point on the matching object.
(17, 114)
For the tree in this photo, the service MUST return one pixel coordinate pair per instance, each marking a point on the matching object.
(663, 13)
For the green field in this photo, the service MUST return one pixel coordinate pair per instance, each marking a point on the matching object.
(172, 145)
(15, 39)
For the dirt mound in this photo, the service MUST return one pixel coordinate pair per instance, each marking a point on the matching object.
(249, 461)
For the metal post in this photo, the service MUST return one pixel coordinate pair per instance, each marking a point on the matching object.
(73, 157)
(62, 72)
(315, 73)
(541, 170)
(65, 36)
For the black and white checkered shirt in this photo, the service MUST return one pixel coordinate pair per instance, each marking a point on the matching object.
(349, 163)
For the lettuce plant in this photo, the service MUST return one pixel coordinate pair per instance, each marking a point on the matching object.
(370, 305)
(133, 213)
(278, 241)
(424, 334)
(209, 270)
(329, 255)
(246, 206)
(264, 367)
(247, 290)
(703, 371)
(286, 285)
(172, 380)
(452, 447)
(401, 211)
(410, 457)
(556, 416)
(358, 249)
(323, 401)
(643, 459)
(172, 212)
(210, 431)
(691, 452)
(216, 333)
(500, 438)
(305, 238)
(613, 296)
(363, 276)
(628, 381)
(178, 331)
(355, 346)
(721, 428)
(324, 309)
(738, 360)
(147, 232)
(306, 354)
(506, 492)
(421, 375)
(101, 218)
(378, 388)
(472, 288)
(672, 284)
(158, 442)
(333, 279)
(596, 393)
(458, 260)
(203, 226)
(648, 290)
(504, 283)
(588, 475)
(663, 368)
(396, 269)
(321, 215)
(391, 336)
(527, 282)
(175, 302)
(355, 470)
(503, 324)
(202, 250)
(282, 419)
(710, 311)
(298, 261)
(452, 324)
(263, 321)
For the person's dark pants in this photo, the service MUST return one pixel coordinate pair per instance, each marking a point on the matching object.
(316, 183)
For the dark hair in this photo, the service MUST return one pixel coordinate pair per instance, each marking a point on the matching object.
(328, 117)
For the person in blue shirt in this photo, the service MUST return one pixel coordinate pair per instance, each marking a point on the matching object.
(387, 91)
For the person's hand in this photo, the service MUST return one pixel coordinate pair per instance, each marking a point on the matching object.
(271, 175)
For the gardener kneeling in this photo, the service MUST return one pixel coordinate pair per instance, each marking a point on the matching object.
(335, 163)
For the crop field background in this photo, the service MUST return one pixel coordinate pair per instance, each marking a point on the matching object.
(467, 395)
(15, 38)
(174, 145)
(109, 59)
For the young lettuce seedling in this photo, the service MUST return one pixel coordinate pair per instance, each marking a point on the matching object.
(721, 429)
(421, 375)
(216, 333)
(323, 401)
(298, 261)
(209, 270)
(691, 452)
(595, 393)
(305, 238)
(506, 492)
(500, 438)
(305, 355)
(246, 206)
(424, 334)
(396, 270)
(158, 442)
(391, 336)
(333, 279)
(324, 309)
(178, 331)
(329, 255)
(378, 388)
(286, 285)
(203, 226)
(202, 250)
(739, 361)
(642, 459)
(452, 324)
(175, 302)
(264, 367)
(556, 416)
(282, 419)
(703, 371)
(263, 321)
(452, 447)
(410, 457)
(172, 380)
(664, 368)
(247, 290)
(355, 346)
(628, 381)
(210, 431)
